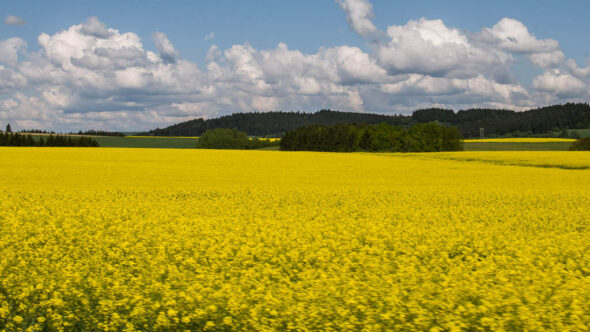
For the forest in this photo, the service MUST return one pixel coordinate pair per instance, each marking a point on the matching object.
(422, 137)
(496, 122)
(16, 139)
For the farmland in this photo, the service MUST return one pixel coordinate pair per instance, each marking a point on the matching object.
(172, 239)
(501, 144)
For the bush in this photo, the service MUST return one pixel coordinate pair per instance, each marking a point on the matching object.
(583, 144)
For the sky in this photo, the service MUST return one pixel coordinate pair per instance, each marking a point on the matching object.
(140, 64)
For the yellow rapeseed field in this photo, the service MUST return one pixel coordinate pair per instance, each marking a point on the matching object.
(140, 239)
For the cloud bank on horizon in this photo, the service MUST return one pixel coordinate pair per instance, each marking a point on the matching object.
(94, 76)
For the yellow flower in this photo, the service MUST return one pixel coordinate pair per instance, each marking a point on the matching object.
(124, 239)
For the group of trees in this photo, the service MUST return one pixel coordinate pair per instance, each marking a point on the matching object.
(424, 137)
(231, 139)
(549, 121)
(35, 131)
(93, 132)
(15, 139)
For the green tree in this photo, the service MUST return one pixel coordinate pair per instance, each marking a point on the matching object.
(223, 139)
(451, 139)
(423, 137)
(8, 129)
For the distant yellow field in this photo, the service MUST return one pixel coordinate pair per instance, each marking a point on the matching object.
(272, 139)
(170, 239)
(193, 137)
(519, 140)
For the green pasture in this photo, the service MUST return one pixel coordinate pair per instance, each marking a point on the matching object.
(146, 142)
(582, 132)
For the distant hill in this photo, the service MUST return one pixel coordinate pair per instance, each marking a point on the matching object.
(273, 124)
(503, 122)
(494, 121)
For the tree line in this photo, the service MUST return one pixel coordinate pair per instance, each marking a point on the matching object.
(94, 132)
(91, 132)
(549, 121)
(16, 139)
(423, 137)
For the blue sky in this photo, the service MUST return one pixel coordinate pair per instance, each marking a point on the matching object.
(474, 67)
(305, 25)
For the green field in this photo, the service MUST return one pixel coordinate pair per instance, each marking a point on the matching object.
(517, 146)
(582, 132)
(147, 142)
(142, 142)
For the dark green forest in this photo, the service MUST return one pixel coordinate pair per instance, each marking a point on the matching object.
(15, 139)
(422, 137)
(540, 121)
(272, 124)
(94, 132)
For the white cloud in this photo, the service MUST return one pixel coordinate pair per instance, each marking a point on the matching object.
(11, 79)
(359, 14)
(577, 71)
(547, 60)
(165, 47)
(560, 84)
(94, 27)
(9, 50)
(93, 76)
(14, 20)
(513, 36)
(430, 47)
(210, 36)
(484, 89)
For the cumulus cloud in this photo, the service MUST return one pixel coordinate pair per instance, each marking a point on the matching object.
(94, 27)
(560, 84)
(511, 35)
(165, 47)
(9, 50)
(359, 14)
(430, 47)
(548, 59)
(14, 20)
(94, 76)
(210, 36)
(577, 71)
